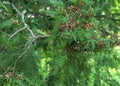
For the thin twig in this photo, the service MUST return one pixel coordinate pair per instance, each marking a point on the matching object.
(16, 32)
(23, 20)
(31, 39)
(17, 10)
(27, 43)
(22, 54)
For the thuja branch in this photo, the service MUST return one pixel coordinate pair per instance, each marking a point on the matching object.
(110, 17)
(103, 30)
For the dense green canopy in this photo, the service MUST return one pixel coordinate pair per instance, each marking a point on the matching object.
(59, 42)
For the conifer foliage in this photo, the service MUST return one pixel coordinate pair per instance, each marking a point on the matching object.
(59, 43)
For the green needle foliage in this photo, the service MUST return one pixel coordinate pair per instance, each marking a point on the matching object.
(59, 43)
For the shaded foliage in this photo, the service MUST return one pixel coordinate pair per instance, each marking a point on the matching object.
(76, 45)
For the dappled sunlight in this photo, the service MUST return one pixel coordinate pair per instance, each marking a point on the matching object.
(59, 43)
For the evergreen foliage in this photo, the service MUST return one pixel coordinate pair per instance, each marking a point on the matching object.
(59, 43)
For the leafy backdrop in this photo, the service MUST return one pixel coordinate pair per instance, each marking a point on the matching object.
(59, 42)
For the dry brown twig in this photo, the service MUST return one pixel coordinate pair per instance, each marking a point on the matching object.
(32, 38)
